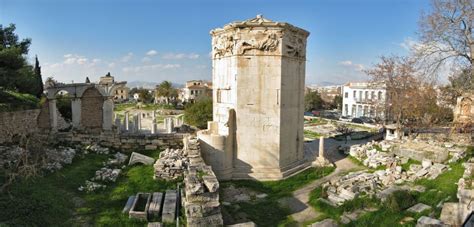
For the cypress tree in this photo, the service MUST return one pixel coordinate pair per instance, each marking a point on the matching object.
(38, 79)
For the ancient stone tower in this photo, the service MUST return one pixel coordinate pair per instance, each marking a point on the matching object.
(258, 80)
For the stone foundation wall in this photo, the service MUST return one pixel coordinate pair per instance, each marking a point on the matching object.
(457, 138)
(123, 142)
(17, 122)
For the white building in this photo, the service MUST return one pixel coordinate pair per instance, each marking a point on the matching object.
(363, 100)
(194, 89)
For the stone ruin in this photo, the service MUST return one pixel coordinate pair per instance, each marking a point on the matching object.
(455, 214)
(201, 190)
(353, 184)
(171, 164)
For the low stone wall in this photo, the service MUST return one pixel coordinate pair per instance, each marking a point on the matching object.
(123, 141)
(16, 123)
(457, 138)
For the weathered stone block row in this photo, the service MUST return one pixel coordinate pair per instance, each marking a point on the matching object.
(122, 142)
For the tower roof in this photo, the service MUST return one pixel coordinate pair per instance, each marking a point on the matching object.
(258, 21)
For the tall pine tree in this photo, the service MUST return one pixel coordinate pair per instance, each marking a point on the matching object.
(38, 79)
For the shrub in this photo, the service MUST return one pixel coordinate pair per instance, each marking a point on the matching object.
(400, 200)
(199, 113)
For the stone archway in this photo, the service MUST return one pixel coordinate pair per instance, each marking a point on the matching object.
(92, 102)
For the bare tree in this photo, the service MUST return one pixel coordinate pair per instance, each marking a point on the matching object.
(446, 36)
(411, 98)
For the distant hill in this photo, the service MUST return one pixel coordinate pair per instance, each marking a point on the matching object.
(148, 84)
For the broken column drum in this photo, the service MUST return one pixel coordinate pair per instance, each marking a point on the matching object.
(258, 88)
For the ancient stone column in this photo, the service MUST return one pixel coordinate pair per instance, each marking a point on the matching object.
(139, 121)
(136, 122)
(321, 147)
(153, 128)
(53, 115)
(126, 121)
(118, 125)
(108, 111)
(169, 125)
(76, 112)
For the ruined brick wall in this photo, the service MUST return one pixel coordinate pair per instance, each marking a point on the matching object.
(91, 109)
(17, 122)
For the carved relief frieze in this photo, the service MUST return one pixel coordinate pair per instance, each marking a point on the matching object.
(295, 47)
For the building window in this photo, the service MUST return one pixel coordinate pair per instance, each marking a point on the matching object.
(346, 111)
(360, 95)
(346, 95)
(355, 92)
(366, 95)
(353, 110)
(372, 95)
(380, 95)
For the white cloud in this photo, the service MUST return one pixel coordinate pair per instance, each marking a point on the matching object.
(150, 67)
(127, 57)
(146, 59)
(350, 64)
(75, 59)
(178, 56)
(111, 65)
(151, 53)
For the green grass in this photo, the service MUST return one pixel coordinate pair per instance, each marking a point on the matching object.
(124, 106)
(335, 213)
(406, 166)
(14, 101)
(267, 211)
(311, 135)
(48, 201)
(316, 121)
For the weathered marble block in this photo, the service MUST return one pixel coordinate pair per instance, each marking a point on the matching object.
(140, 206)
(155, 204)
(169, 206)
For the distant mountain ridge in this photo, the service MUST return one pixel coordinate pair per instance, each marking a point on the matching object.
(148, 84)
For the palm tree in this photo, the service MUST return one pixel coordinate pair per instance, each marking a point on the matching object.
(166, 89)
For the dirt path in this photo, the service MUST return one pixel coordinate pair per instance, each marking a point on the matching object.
(303, 212)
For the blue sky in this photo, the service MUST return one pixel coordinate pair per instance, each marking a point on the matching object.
(169, 40)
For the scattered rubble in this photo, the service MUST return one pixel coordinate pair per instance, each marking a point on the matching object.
(106, 175)
(171, 164)
(418, 208)
(429, 222)
(94, 148)
(370, 156)
(91, 186)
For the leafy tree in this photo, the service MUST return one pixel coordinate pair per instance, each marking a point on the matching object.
(166, 89)
(313, 101)
(15, 73)
(199, 112)
(337, 102)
